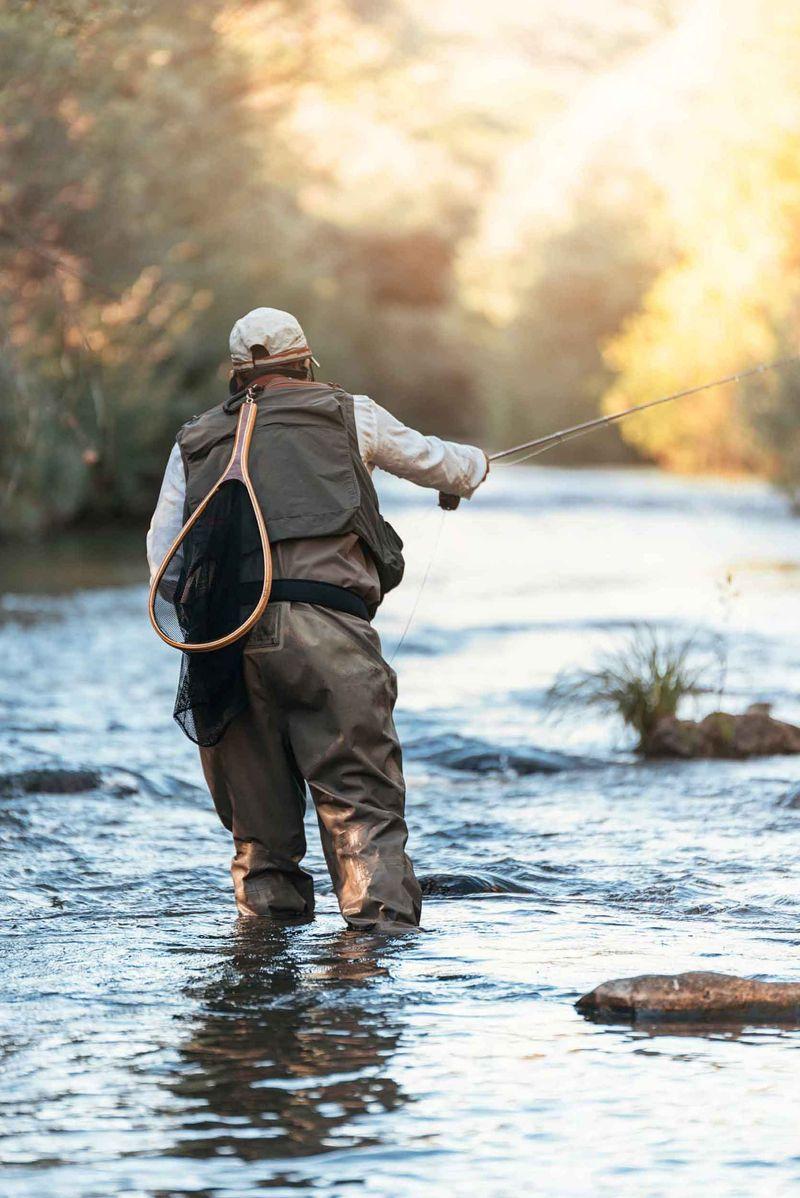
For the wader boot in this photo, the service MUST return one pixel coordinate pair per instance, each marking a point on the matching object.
(321, 699)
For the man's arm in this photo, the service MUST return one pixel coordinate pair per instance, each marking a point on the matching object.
(167, 520)
(428, 461)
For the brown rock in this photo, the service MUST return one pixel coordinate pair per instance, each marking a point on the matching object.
(755, 733)
(693, 998)
(672, 737)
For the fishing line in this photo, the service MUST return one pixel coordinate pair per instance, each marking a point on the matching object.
(418, 596)
(542, 444)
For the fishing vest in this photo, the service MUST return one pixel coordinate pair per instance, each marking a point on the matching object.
(305, 467)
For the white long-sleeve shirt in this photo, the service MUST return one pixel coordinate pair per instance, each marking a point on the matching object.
(383, 441)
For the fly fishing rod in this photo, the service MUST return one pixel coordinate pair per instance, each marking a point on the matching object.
(531, 449)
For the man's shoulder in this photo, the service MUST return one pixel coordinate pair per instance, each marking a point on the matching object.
(215, 415)
(337, 388)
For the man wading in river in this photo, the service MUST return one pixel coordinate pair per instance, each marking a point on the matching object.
(319, 695)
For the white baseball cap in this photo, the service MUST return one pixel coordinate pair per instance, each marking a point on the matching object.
(278, 332)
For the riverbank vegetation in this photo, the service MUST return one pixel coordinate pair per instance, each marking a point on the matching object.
(495, 221)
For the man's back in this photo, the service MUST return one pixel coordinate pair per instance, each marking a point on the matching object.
(318, 695)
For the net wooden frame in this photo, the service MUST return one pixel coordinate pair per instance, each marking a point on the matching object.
(236, 470)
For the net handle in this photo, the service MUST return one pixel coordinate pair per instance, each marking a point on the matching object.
(237, 470)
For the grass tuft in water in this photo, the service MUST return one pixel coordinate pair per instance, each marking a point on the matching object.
(642, 681)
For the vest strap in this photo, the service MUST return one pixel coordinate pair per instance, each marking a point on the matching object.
(306, 590)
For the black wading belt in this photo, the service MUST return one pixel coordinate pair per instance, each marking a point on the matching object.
(305, 590)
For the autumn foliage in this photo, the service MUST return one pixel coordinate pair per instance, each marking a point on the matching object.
(495, 220)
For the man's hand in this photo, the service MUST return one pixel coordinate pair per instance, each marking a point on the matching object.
(449, 503)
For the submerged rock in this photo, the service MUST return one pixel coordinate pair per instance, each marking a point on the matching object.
(753, 734)
(476, 756)
(695, 997)
(51, 780)
(459, 885)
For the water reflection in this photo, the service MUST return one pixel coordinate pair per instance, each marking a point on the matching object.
(288, 1051)
(745, 1030)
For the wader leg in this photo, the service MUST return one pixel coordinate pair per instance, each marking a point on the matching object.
(260, 797)
(364, 842)
(343, 737)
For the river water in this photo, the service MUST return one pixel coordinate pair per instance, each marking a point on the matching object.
(153, 1044)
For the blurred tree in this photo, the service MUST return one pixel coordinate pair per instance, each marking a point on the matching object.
(156, 185)
(731, 298)
(134, 221)
(545, 370)
(166, 166)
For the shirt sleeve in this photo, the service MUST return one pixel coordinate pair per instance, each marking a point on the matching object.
(428, 461)
(167, 518)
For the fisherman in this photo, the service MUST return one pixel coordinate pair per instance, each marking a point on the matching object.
(319, 695)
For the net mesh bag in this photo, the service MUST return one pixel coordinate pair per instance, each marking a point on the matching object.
(209, 589)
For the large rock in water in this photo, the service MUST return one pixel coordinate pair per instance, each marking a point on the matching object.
(752, 734)
(51, 780)
(693, 998)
